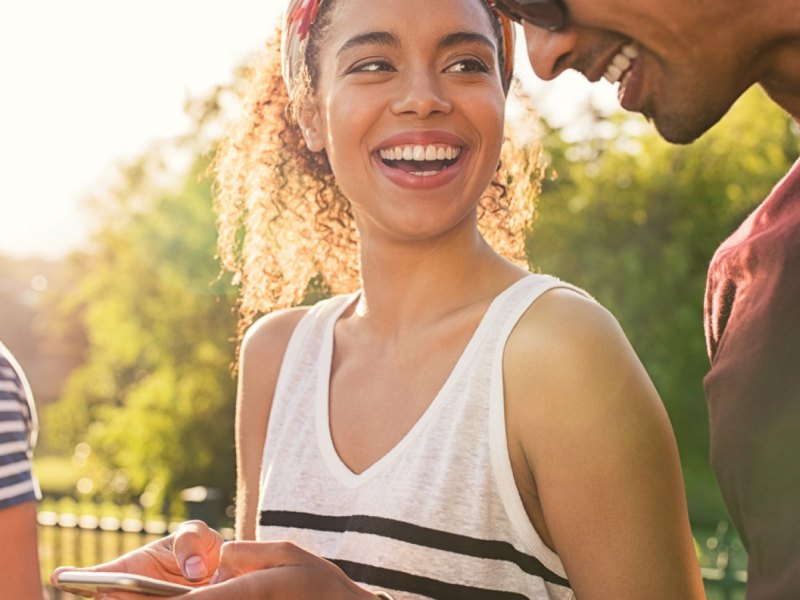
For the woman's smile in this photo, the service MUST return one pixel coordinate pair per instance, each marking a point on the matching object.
(421, 160)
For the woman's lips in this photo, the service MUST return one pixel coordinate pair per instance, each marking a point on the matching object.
(421, 159)
(428, 167)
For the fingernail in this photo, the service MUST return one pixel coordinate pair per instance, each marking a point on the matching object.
(194, 568)
(215, 578)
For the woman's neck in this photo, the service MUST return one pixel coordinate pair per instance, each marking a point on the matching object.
(405, 286)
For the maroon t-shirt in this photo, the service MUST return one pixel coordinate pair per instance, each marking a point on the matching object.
(752, 321)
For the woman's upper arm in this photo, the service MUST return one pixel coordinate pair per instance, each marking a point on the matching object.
(601, 452)
(260, 360)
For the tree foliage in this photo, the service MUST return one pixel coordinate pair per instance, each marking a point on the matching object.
(636, 221)
(154, 398)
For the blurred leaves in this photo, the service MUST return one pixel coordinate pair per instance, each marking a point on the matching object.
(154, 397)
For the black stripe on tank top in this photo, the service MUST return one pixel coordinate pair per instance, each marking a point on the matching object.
(413, 534)
(414, 584)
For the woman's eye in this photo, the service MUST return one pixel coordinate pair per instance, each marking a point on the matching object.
(471, 65)
(375, 66)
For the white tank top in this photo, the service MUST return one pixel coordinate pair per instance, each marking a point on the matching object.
(439, 516)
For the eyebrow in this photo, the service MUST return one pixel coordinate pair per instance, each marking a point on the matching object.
(373, 38)
(387, 38)
(465, 37)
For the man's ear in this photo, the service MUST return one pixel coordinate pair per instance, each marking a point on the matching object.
(310, 122)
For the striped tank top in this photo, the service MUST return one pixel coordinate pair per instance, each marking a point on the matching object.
(439, 516)
(18, 428)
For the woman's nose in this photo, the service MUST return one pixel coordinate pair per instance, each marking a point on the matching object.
(422, 96)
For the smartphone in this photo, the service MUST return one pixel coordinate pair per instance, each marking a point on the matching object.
(96, 581)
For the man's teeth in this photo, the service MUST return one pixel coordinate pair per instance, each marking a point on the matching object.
(621, 63)
(419, 153)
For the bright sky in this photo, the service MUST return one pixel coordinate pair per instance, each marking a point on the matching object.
(85, 84)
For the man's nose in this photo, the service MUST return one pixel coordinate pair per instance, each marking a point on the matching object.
(550, 52)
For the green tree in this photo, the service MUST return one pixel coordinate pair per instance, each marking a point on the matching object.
(636, 221)
(154, 398)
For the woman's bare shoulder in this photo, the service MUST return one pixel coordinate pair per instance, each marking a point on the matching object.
(573, 352)
(268, 337)
(563, 326)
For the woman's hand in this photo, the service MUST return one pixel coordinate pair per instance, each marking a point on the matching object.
(190, 556)
(277, 570)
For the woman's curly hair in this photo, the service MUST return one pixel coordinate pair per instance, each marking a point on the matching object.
(283, 223)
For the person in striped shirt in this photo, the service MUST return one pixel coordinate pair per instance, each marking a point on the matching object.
(19, 557)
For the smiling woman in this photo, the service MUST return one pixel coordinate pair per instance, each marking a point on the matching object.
(280, 199)
(452, 426)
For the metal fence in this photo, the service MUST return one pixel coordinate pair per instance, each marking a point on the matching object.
(85, 536)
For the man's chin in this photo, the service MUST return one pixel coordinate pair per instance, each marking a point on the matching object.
(683, 129)
(678, 132)
(678, 137)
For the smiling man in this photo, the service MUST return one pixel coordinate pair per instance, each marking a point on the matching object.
(683, 64)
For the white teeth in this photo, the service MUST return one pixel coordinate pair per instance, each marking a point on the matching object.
(613, 73)
(630, 51)
(418, 152)
(621, 63)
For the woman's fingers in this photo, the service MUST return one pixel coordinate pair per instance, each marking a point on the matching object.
(278, 570)
(298, 578)
(239, 558)
(190, 555)
(196, 548)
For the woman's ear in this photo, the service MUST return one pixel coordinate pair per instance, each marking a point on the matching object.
(310, 122)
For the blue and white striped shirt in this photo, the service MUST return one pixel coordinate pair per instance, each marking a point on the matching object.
(17, 434)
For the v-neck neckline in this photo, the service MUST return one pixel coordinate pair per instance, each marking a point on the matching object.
(337, 467)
